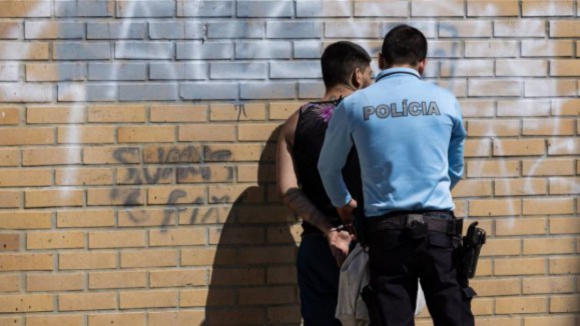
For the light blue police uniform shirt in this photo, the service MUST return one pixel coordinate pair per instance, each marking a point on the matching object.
(409, 136)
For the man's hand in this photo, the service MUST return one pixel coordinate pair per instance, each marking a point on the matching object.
(339, 242)
(345, 212)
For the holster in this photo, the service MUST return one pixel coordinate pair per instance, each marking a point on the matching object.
(470, 250)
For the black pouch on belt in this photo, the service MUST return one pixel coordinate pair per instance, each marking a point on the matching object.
(415, 226)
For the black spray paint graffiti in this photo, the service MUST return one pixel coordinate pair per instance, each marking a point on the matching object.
(197, 156)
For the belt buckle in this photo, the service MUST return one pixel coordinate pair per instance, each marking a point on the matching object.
(413, 220)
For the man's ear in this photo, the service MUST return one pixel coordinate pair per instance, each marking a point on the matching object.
(421, 66)
(357, 78)
(382, 63)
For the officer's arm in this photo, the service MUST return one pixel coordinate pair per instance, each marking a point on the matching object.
(455, 153)
(337, 145)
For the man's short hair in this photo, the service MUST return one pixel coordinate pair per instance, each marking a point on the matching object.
(339, 60)
(404, 45)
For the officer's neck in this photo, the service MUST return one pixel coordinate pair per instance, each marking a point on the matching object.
(335, 92)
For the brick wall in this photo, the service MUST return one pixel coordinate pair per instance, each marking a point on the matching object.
(137, 142)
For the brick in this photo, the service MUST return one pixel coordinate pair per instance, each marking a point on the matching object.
(117, 280)
(80, 92)
(169, 154)
(564, 265)
(25, 220)
(472, 188)
(564, 28)
(86, 135)
(178, 113)
(150, 50)
(10, 199)
(78, 177)
(115, 31)
(505, 168)
(281, 275)
(9, 71)
(209, 91)
(268, 255)
(470, 28)
(523, 108)
(55, 240)
(565, 304)
(525, 305)
(53, 30)
(9, 283)
(496, 287)
(84, 9)
(550, 320)
(10, 92)
(55, 114)
(229, 112)
(53, 198)
(56, 72)
(116, 113)
(117, 71)
(293, 29)
(87, 301)
(23, 51)
(497, 49)
(8, 242)
(538, 246)
(176, 318)
(493, 128)
(479, 108)
(27, 262)
(177, 237)
(502, 247)
(207, 132)
(310, 90)
(309, 9)
(307, 49)
(543, 127)
(81, 51)
(111, 155)
(137, 318)
(120, 196)
(495, 87)
(565, 107)
(238, 235)
(51, 156)
(564, 68)
(240, 316)
(564, 225)
(360, 29)
(272, 90)
(182, 71)
(519, 147)
(146, 134)
(238, 70)
(202, 298)
(148, 299)
(255, 9)
(467, 68)
(175, 195)
(520, 28)
(10, 30)
(520, 266)
(25, 177)
(547, 48)
(550, 206)
(547, 8)
(149, 258)
(550, 88)
(208, 257)
(548, 285)
(520, 187)
(266, 295)
(477, 148)
(265, 50)
(149, 9)
(437, 9)
(147, 217)
(523, 68)
(55, 282)
(54, 320)
(499, 8)
(494, 207)
(19, 9)
(520, 226)
(148, 92)
(563, 146)
(87, 260)
(9, 157)
(116, 239)
(178, 278)
(176, 30)
(26, 303)
(547, 167)
(235, 30)
(257, 132)
(378, 8)
(564, 186)
(204, 50)
(302, 69)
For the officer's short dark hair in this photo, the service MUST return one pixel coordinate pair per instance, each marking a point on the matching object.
(339, 60)
(404, 45)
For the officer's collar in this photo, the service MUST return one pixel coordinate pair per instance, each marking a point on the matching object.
(397, 71)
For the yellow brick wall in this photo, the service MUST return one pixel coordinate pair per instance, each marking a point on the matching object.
(163, 211)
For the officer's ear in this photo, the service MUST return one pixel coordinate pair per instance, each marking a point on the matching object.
(356, 79)
(421, 66)
(382, 62)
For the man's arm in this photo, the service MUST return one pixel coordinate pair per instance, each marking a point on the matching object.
(455, 153)
(294, 198)
(337, 145)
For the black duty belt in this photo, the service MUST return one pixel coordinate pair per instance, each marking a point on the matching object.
(435, 221)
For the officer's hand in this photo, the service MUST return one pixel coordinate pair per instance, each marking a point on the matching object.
(345, 212)
(339, 242)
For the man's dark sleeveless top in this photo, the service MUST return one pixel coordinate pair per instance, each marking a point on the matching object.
(308, 140)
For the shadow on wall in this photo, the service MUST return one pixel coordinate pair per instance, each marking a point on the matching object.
(253, 281)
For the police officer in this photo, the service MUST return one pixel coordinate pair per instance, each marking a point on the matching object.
(409, 137)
